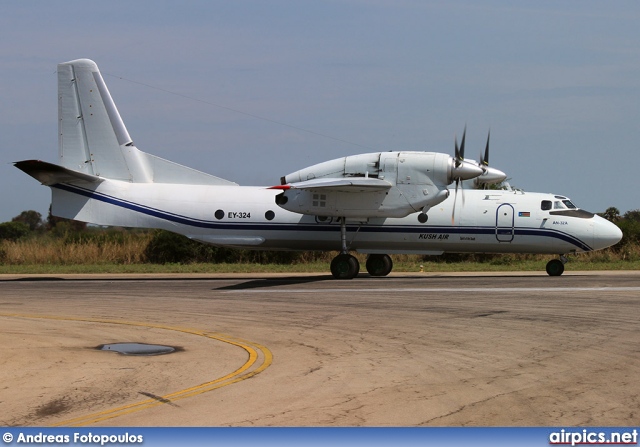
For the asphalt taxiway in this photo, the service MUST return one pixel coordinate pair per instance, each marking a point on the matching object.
(306, 350)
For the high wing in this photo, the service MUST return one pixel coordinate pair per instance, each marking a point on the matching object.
(347, 185)
(386, 184)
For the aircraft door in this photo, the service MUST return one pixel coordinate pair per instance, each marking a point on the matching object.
(505, 223)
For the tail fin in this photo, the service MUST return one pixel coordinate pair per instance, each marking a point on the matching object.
(93, 139)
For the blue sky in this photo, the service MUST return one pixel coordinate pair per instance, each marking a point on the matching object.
(253, 90)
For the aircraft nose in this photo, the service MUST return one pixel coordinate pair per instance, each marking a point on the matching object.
(605, 233)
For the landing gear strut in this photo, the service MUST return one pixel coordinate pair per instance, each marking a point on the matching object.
(344, 266)
(555, 267)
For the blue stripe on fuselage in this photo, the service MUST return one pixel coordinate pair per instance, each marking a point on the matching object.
(200, 223)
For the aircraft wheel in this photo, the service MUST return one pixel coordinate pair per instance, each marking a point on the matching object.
(379, 265)
(345, 266)
(555, 267)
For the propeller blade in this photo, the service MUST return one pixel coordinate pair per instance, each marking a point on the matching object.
(485, 160)
(464, 134)
(455, 198)
(456, 155)
(462, 194)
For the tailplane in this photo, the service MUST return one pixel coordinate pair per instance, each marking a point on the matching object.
(49, 174)
(94, 141)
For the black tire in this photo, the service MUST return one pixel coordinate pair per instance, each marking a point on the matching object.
(345, 266)
(379, 265)
(555, 267)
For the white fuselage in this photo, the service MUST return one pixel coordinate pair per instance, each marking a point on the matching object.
(486, 221)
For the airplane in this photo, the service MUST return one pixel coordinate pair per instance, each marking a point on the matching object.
(379, 204)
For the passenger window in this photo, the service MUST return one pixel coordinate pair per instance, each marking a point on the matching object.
(546, 205)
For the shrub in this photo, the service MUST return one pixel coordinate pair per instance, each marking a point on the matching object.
(12, 231)
(166, 247)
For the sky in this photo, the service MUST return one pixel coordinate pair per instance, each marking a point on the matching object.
(251, 90)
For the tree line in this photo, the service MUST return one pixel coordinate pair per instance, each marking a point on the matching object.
(163, 247)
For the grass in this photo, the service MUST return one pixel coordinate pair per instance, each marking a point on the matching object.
(124, 252)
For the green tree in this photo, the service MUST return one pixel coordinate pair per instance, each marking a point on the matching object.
(629, 223)
(612, 214)
(632, 215)
(32, 219)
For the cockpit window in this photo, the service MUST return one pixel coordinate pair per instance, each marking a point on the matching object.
(565, 207)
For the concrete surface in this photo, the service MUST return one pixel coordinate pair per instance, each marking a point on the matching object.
(306, 350)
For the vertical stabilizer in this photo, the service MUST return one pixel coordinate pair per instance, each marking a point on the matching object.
(92, 137)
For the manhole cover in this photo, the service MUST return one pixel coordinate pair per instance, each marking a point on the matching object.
(137, 348)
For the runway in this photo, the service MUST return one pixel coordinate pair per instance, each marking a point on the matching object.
(306, 350)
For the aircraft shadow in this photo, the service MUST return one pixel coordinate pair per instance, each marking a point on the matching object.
(275, 282)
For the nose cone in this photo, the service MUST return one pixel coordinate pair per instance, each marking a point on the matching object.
(466, 171)
(491, 176)
(605, 233)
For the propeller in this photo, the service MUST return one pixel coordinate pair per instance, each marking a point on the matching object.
(480, 171)
(489, 175)
(462, 170)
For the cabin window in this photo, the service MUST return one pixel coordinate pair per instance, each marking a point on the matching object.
(546, 205)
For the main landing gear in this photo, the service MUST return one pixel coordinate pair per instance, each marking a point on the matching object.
(379, 265)
(555, 267)
(346, 266)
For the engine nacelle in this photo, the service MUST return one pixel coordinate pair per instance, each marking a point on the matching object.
(415, 181)
(403, 167)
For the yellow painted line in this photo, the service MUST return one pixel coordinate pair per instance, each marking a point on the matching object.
(253, 349)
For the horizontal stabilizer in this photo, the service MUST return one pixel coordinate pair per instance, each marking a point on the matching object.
(49, 174)
(353, 184)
